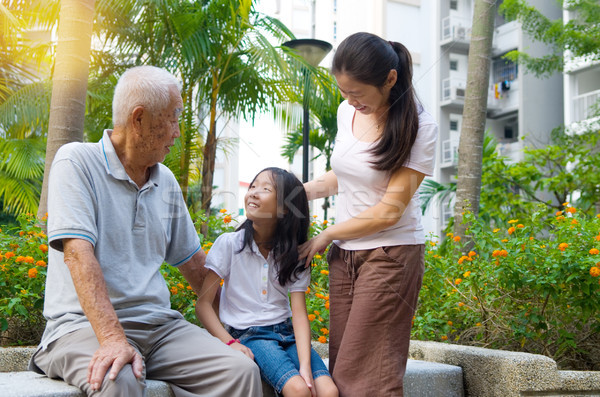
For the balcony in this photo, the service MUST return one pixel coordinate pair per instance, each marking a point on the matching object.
(511, 150)
(503, 98)
(456, 31)
(583, 106)
(453, 91)
(449, 153)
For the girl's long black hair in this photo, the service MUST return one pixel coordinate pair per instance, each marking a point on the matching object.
(292, 224)
(368, 59)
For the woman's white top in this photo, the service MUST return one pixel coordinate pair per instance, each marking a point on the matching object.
(360, 186)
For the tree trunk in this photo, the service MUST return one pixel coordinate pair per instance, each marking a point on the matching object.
(470, 147)
(69, 82)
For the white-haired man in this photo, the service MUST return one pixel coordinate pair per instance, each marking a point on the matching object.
(115, 214)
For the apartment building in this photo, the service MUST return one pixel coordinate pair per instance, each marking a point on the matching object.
(522, 109)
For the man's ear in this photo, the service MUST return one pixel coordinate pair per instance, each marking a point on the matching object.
(137, 116)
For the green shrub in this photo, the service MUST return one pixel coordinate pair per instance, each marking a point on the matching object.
(23, 261)
(529, 285)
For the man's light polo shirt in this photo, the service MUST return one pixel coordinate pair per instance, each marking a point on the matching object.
(251, 294)
(133, 230)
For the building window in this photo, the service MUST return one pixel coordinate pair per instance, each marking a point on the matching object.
(509, 132)
(454, 5)
(453, 65)
(453, 125)
(504, 70)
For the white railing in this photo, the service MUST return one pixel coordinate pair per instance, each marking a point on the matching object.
(583, 105)
(449, 153)
(456, 28)
(453, 89)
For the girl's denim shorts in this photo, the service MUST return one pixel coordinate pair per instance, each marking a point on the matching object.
(275, 353)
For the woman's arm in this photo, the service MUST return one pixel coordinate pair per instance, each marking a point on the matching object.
(323, 186)
(402, 186)
(302, 334)
(207, 315)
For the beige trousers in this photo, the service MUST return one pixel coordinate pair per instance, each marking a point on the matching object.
(186, 356)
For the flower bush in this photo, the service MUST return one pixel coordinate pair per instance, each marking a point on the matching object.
(528, 285)
(23, 261)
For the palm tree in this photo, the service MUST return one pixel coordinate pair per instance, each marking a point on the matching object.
(470, 147)
(25, 59)
(222, 52)
(324, 101)
(70, 77)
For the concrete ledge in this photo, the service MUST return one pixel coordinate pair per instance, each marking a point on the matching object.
(30, 384)
(492, 373)
(422, 379)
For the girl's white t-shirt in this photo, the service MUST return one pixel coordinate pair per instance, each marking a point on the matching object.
(360, 186)
(251, 294)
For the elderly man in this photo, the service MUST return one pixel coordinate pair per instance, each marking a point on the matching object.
(115, 214)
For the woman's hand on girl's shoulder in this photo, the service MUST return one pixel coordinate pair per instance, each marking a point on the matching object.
(310, 248)
(241, 348)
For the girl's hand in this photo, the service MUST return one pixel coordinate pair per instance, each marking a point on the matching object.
(306, 374)
(241, 348)
(316, 244)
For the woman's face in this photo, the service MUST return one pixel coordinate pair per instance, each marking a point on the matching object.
(365, 98)
(261, 198)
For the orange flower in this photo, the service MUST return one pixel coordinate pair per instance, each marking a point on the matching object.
(597, 237)
(20, 258)
(311, 317)
(174, 290)
(28, 259)
(572, 210)
(458, 281)
(559, 213)
(322, 339)
(456, 238)
(461, 304)
(450, 323)
(563, 246)
(43, 248)
(180, 286)
(324, 331)
(223, 210)
(327, 305)
(40, 263)
(32, 273)
(513, 221)
(520, 226)
(594, 251)
(321, 296)
(227, 218)
(444, 337)
(325, 222)
(472, 254)
(325, 272)
(511, 230)
(21, 233)
(595, 271)
(467, 273)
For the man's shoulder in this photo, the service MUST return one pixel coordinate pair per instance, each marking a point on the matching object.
(76, 150)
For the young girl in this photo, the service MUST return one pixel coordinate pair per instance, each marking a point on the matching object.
(259, 265)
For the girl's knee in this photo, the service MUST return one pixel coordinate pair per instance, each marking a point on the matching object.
(326, 387)
(295, 387)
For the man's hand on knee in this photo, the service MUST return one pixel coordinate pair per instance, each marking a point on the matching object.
(113, 355)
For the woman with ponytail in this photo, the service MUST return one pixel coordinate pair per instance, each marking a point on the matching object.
(384, 147)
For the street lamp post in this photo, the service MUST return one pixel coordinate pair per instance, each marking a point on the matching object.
(312, 51)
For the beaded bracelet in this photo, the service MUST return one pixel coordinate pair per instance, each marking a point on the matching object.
(231, 342)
